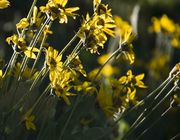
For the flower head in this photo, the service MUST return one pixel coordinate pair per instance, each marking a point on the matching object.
(53, 60)
(56, 9)
(4, 4)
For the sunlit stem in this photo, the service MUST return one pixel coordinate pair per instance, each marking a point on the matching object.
(119, 50)
(32, 44)
(40, 97)
(9, 70)
(31, 9)
(73, 53)
(140, 120)
(14, 56)
(126, 113)
(37, 78)
(152, 124)
(69, 43)
(40, 50)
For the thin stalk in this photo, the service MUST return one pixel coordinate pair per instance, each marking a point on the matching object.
(77, 47)
(69, 43)
(31, 9)
(10, 63)
(156, 121)
(33, 43)
(145, 117)
(69, 118)
(110, 57)
(40, 49)
(176, 136)
(135, 107)
(37, 79)
(44, 92)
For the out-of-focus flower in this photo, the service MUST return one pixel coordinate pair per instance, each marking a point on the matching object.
(125, 34)
(4, 4)
(168, 27)
(85, 87)
(29, 120)
(26, 72)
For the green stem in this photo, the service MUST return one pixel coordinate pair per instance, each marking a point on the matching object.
(32, 44)
(40, 49)
(40, 97)
(69, 43)
(110, 57)
(73, 53)
(140, 120)
(152, 124)
(135, 107)
(37, 78)
(69, 118)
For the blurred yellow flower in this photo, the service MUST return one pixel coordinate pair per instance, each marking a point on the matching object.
(162, 24)
(124, 31)
(4, 4)
(26, 72)
(105, 100)
(29, 120)
(167, 24)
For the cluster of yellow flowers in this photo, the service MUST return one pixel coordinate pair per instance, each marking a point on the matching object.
(66, 76)
(94, 29)
(119, 94)
(167, 27)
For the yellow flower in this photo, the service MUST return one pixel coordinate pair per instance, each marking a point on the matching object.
(85, 87)
(94, 30)
(60, 84)
(57, 9)
(124, 31)
(76, 65)
(107, 70)
(47, 30)
(105, 24)
(164, 24)
(4, 4)
(21, 45)
(156, 27)
(28, 118)
(30, 52)
(102, 59)
(23, 24)
(37, 18)
(167, 24)
(26, 73)
(53, 60)
(158, 64)
(133, 80)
